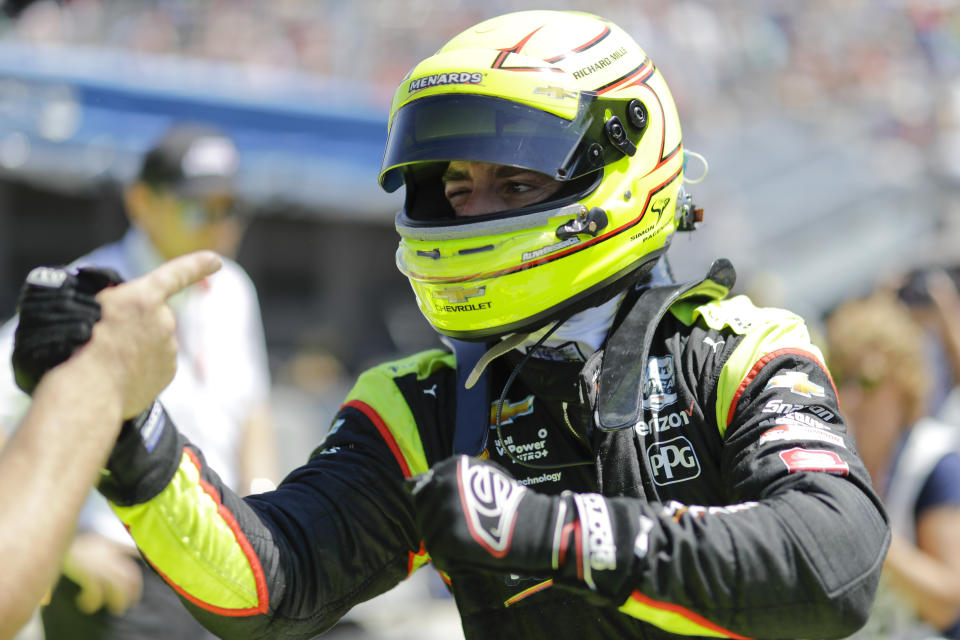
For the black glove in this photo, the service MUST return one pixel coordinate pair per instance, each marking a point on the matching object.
(58, 309)
(473, 515)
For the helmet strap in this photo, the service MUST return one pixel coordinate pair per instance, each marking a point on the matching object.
(503, 346)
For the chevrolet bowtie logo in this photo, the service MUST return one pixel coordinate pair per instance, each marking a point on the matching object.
(797, 382)
(558, 93)
(459, 294)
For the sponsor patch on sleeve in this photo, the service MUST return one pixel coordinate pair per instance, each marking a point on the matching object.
(791, 432)
(800, 459)
(797, 382)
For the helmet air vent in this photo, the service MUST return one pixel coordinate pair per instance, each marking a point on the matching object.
(618, 136)
(637, 114)
(466, 252)
(590, 222)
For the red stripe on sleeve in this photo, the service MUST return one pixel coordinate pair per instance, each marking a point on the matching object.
(385, 433)
(686, 613)
(411, 560)
(263, 599)
(761, 363)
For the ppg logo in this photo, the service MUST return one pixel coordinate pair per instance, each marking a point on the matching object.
(673, 461)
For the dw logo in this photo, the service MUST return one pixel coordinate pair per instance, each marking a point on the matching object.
(673, 461)
(660, 387)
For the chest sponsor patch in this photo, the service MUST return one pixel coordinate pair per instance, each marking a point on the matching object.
(797, 382)
(800, 459)
(550, 476)
(673, 461)
(796, 432)
(659, 423)
(660, 388)
(524, 451)
(510, 411)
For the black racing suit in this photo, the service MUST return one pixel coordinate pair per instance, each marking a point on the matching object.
(761, 521)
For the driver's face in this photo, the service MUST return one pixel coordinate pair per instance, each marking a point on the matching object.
(477, 188)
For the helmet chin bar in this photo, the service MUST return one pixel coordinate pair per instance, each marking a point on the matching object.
(636, 274)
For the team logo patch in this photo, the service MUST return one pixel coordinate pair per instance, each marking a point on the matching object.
(673, 461)
(660, 388)
(793, 432)
(797, 382)
(799, 459)
(490, 500)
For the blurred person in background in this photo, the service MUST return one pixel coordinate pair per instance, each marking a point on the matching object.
(933, 295)
(62, 443)
(183, 200)
(880, 360)
(603, 452)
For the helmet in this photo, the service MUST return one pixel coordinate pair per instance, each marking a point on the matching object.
(566, 94)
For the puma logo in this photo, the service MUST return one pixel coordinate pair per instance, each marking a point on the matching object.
(713, 344)
(432, 391)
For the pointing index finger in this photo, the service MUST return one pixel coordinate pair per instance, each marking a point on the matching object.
(181, 272)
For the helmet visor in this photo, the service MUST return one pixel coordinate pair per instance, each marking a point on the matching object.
(486, 129)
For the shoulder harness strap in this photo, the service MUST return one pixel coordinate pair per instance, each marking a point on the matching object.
(624, 367)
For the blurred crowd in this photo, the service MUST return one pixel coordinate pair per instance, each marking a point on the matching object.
(884, 64)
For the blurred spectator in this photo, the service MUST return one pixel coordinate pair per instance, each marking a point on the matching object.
(878, 355)
(933, 294)
(182, 200)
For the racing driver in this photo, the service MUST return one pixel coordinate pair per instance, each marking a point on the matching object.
(600, 452)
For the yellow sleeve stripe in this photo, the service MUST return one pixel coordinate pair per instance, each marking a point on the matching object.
(760, 364)
(195, 543)
(767, 333)
(377, 396)
(418, 559)
(674, 618)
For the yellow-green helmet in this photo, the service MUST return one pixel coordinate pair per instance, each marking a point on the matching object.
(566, 94)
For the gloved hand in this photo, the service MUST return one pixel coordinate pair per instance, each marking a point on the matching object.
(58, 308)
(473, 515)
